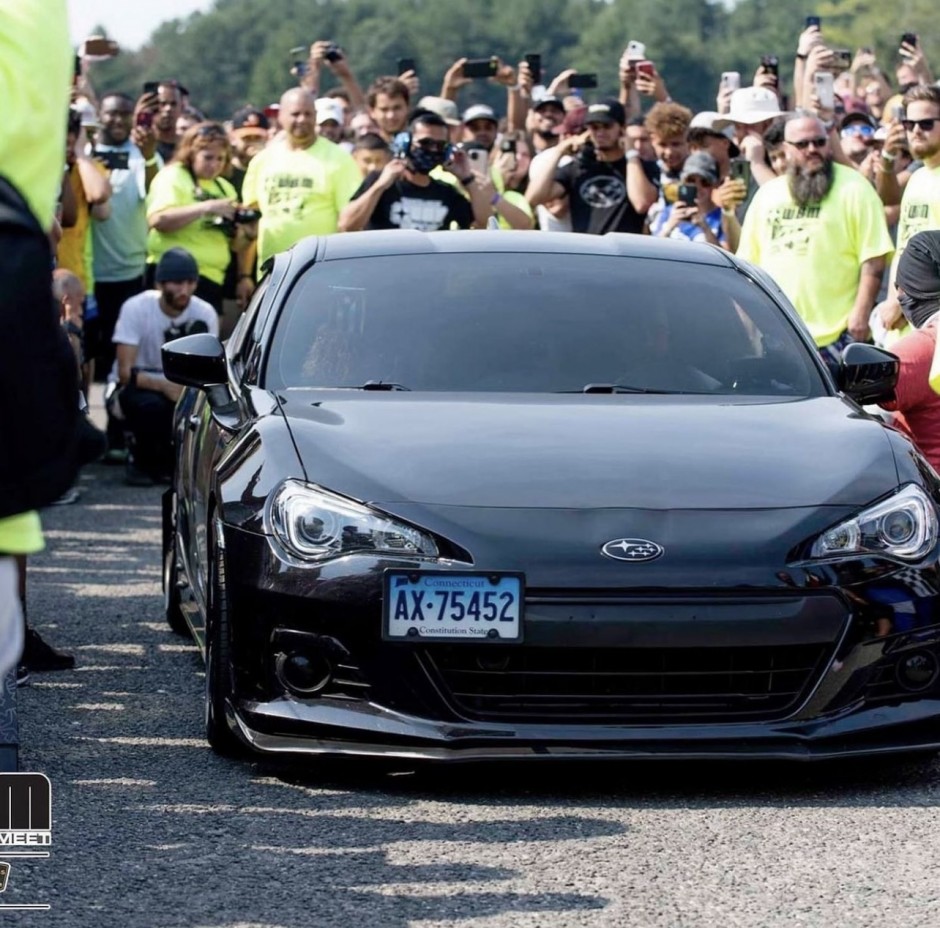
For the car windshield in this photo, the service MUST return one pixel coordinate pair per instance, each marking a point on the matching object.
(535, 322)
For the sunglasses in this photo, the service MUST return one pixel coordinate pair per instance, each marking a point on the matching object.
(803, 144)
(925, 124)
(431, 144)
(859, 130)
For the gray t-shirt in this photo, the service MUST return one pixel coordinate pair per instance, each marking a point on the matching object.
(120, 241)
(143, 323)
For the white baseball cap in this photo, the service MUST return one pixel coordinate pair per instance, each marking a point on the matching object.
(327, 109)
(751, 105)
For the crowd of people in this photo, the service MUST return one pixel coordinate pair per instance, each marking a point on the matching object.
(165, 218)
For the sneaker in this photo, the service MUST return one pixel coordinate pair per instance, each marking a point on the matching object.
(38, 655)
(22, 675)
(135, 477)
(71, 495)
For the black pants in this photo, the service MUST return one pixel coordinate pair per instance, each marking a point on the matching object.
(149, 419)
(110, 296)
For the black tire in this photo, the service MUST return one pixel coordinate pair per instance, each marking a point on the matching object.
(220, 679)
(171, 591)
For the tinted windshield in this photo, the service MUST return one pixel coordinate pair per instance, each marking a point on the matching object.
(543, 323)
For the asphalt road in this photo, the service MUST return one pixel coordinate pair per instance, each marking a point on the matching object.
(151, 829)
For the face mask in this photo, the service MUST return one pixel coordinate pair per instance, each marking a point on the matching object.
(423, 162)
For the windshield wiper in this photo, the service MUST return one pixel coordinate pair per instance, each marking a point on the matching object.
(384, 385)
(616, 388)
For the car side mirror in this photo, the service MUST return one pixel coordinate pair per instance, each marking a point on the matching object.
(868, 374)
(199, 361)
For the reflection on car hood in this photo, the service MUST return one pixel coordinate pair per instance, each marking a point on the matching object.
(652, 452)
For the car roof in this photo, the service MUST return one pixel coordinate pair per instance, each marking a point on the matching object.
(408, 242)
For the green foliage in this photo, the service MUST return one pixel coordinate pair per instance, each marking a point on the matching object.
(238, 52)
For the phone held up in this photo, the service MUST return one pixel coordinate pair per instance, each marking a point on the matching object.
(405, 65)
(636, 51)
(534, 61)
(582, 81)
(770, 63)
(824, 85)
(812, 21)
(740, 169)
(646, 68)
(688, 194)
(731, 80)
(909, 38)
(480, 68)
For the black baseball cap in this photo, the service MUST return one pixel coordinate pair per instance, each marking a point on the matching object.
(609, 111)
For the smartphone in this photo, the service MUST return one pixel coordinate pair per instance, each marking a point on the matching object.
(843, 57)
(636, 50)
(406, 64)
(534, 61)
(582, 81)
(480, 68)
(812, 21)
(97, 46)
(478, 159)
(731, 80)
(909, 38)
(740, 169)
(897, 112)
(688, 194)
(824, 85)
(112, 160)
(770, 63)
(144, 120)
(151, 87)
(646, 67)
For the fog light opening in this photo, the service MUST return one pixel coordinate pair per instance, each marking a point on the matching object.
(918, 671)
(303, 673)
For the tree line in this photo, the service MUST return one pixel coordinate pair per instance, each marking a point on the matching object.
(239, 52)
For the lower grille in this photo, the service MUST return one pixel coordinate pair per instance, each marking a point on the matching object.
(592, 685)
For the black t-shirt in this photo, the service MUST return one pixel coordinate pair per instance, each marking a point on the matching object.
(407, 206)
(597, 196)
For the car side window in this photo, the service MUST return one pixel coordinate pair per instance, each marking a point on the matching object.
(240, 341)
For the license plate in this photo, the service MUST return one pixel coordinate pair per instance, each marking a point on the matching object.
(446, 606)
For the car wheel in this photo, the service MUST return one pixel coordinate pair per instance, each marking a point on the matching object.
(219, 672)
(171, 591)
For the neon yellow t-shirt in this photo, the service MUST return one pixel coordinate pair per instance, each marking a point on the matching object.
(300, 192)
(35, 72)
(815, 253)
(21, 534)
(920, 209)
(209, 245)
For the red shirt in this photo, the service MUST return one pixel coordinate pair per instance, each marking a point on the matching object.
(917, 407)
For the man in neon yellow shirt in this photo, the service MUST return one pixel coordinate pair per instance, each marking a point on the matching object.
(37, 370)
(300, 182)
(820, 232)
(920, 204)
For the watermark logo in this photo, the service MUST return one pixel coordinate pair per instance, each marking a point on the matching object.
(25, 824)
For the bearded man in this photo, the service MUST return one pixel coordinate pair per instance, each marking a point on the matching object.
(819, 230)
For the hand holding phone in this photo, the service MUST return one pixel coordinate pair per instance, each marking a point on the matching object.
(812, 21)
(480, 68)
(688, 194)
(824, 85)
(583, 81)
(647, 68)
(740, 169)
(405, 65)
(731, 80)
(534, 61)
(97, 47)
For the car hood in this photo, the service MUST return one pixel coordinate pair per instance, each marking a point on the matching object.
(577, 452)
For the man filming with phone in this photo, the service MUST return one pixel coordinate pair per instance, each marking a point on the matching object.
(403, 195)
(608, 190)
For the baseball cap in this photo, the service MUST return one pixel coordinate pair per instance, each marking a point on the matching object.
(442, 107)
(750, 105)
(327, 108)
(701, 164)
(248, 117)
(176, 264)
(857, 116)
(609, 111)
(549, 101)
(480, 111)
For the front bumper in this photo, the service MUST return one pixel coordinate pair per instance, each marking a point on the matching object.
(393, 700)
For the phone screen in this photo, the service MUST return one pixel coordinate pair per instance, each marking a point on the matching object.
(583, 81)
(477, 68)
(534, 62)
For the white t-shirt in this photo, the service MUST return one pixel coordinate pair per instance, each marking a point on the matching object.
(548, 222)
(143, 323)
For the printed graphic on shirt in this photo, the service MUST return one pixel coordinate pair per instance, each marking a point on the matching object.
(423, 215)
(603, 192)
(288, 194)
(914, 219)
(789, 228)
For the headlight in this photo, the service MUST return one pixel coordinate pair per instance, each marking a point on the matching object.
(315, 525)
(903, 528)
